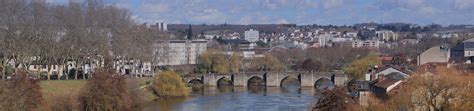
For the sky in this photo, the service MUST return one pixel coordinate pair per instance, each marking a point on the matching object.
(301, 12)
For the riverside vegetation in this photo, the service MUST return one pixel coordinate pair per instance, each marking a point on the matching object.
(105, 91)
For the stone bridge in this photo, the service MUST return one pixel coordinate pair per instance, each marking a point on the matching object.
(271, 79)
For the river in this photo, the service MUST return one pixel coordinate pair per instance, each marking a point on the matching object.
(289, 97)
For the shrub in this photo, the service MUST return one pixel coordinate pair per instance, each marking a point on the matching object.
(106, 91)
(64, 102)
(169, 84)
(20, 94)
(334, 100)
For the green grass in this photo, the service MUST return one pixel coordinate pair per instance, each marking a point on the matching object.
(73, 87)
(57, 87)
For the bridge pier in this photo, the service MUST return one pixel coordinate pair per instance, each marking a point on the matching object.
(306, 80)
(240, 80)
(273, 79)
(209, 80)
(341, 79)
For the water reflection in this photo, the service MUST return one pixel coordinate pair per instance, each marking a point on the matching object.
(253, 98)
(164, 104)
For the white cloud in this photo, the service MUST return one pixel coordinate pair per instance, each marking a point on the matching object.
(328, 4)
(245, 20)
(154, 8)
(309, 3)
(282, 21)
(209, 15)
(429, 10)
(463, 4)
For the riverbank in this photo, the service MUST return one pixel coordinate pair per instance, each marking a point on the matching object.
(53, 89)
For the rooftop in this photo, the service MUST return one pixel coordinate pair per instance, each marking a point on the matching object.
(386, 82)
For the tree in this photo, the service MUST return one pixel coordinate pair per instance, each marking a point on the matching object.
(106, 91)
(216, 62)
(360, 66)
(447, 89)
(20, 94)
(262, 44)
(169, 84)
(334, 100)
(442, 89)
(235, 63)
(212, 61)
(310, 65)
(266, 63)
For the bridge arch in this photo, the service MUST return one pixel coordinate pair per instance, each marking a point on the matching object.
(195, 81)
(288, 78)
(256, 81)
(224, 81)
(324, 83)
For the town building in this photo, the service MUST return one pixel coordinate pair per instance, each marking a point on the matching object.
(240, 47)
(436, 54)
(366, 44)
(325, 40)
(463, 52)
(179, 52)
(251, 35)
(383, 81)
(161, 26)
(386, 35)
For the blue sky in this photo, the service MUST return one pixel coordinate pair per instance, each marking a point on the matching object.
(337, 12)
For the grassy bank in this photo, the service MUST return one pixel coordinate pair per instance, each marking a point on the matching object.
(61, 87)
(74, 87)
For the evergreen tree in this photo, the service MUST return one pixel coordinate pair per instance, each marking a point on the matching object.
(190, 33)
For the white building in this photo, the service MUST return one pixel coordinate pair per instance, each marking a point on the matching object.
(325, 40)
(367, 44)
(161, 26)
(386, 35)
(351, 34)
(251, 35)
(436, 54)
(179, 52)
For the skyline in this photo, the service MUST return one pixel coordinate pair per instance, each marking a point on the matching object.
(301, 12)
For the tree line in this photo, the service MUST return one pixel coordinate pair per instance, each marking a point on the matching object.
(84, 32)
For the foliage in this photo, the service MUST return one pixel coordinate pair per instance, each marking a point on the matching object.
(443, 89)
(262, 44)
(310, 65)
(79, 31)
(267, 63)
(360, 66)
(235, 63)
(65, 95)
(106, 91)
(20, 94)
(169, 84)
(331, 58)
(334, 100)
(216, 62)
(447, 89)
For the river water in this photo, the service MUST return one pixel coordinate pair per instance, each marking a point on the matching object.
(289, 97)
